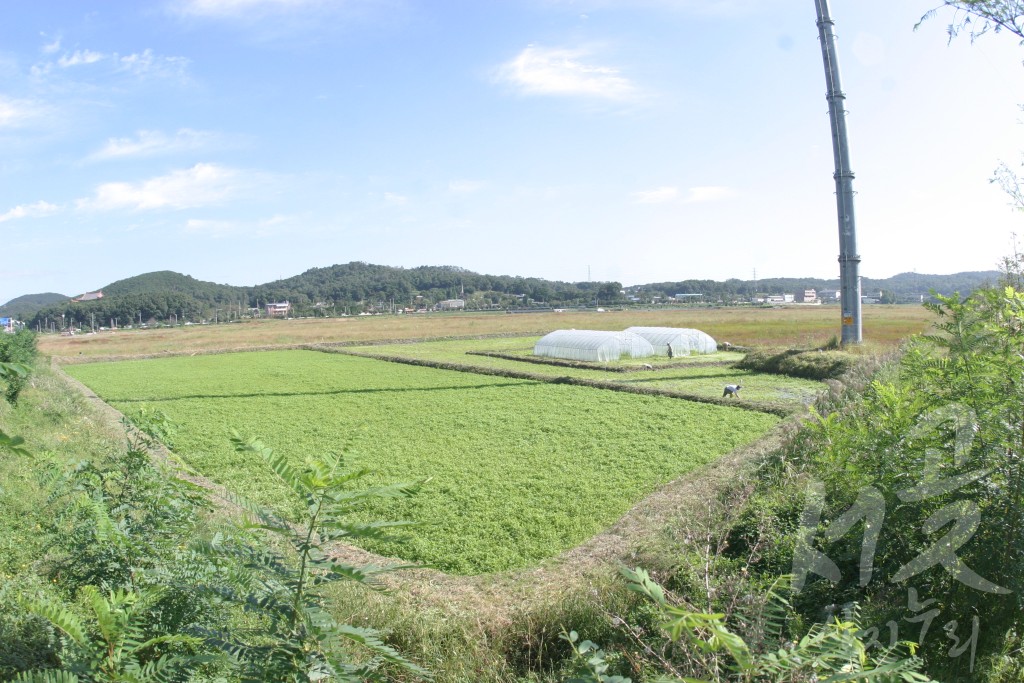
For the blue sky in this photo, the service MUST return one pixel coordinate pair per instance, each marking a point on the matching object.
(240, 141)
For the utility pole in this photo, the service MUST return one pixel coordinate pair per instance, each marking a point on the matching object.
(849, 259)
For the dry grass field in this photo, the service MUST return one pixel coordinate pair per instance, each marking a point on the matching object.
(884, 327)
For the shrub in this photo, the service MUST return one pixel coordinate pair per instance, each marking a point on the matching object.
(808, 364)
(935, 437)
(18, 349)
(293, 637)
(691, 644)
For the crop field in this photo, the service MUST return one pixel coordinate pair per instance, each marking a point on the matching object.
(700, 375)
(519, 470)
(884, 327)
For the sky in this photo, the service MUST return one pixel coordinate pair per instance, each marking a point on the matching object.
(243, 141)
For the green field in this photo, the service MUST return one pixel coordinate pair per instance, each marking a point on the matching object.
(520, 470)
(699, 375)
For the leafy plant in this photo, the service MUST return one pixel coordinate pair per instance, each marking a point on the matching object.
(113, 647)
(828, 653)
(11, 374)
(938, 435)
(294, 637)
(17, 352)
(112, 521)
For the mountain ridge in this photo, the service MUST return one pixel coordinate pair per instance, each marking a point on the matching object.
(358, 286)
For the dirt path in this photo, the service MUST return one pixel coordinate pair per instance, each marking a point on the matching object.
(493, 598)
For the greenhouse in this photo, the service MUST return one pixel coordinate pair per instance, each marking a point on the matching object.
(684, 341)
(592, 345)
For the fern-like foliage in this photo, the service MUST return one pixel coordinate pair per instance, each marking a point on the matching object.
(17, 353)
(11, 375)
(828, 653)
(295, 637)
(112, 645)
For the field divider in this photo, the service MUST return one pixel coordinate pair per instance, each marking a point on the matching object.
(580, 365)
(755, 406)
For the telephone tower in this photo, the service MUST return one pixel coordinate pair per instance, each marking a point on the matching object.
(849, 260)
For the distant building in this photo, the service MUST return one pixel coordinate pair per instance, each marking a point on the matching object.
(89, 296)
(278, 310)
(807, 296)
(7, 325)
(779, 299)
(451, 305)
(829, 295)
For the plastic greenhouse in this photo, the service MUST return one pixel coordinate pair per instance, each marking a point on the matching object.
(592, 345)
(684, 341)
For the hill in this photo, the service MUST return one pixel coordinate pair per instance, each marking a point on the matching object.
(167, 281)
(901, 288)
(356, 287)
(26, 306)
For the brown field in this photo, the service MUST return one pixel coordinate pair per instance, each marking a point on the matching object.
(884, 327)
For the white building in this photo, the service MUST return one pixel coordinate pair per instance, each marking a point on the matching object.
(451, 305)
(278, 310)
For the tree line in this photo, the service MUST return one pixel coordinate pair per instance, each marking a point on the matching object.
(168, 297)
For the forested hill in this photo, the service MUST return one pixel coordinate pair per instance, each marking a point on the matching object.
(25, 307)
(352, 288)
(901, 288)
(365, 282)
(167, 281)
(356, 287)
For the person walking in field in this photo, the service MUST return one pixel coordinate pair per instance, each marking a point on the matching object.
(670, 354)
(732, 390)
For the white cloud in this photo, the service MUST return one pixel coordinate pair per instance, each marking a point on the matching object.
(231, 8)
(80, 57)
(396, 199)
(201, 185)
(145, 63)
(51, 47)
(465, 186)
(154, 142)
(37, 210)
(15, 113)
(709, 193)
(656, 196)
(560, 71)
(139, 64)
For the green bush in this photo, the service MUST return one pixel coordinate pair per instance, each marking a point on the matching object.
(18, 348)
(700, 647)
(27, 641)
(937, 438)
(808, 364)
